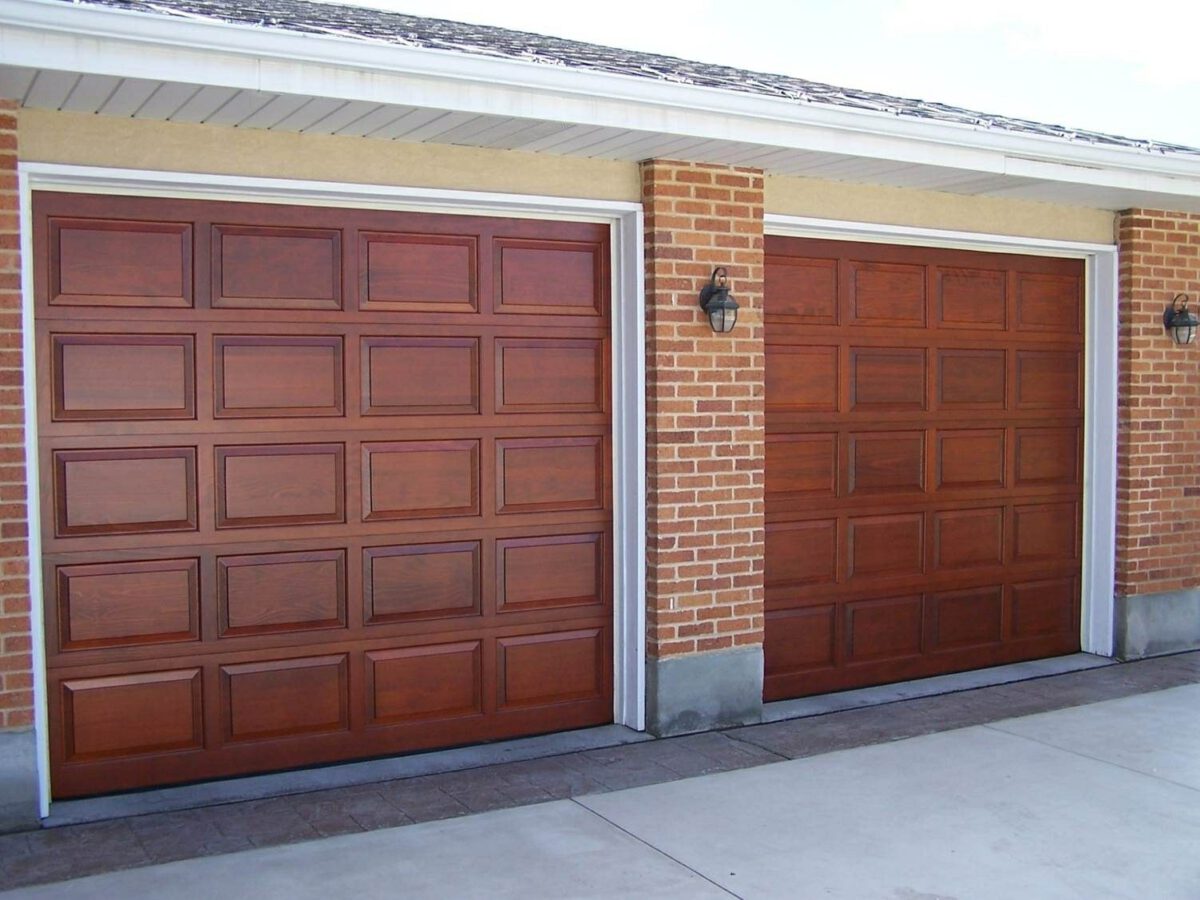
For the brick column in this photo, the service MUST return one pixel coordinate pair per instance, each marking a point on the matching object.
(1158, 446)
(705, 447)
(18, 776)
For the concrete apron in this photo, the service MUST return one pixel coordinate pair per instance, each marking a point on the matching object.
(1091, 801)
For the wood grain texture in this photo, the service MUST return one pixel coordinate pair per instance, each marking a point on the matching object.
(321, 483)
(923, 465)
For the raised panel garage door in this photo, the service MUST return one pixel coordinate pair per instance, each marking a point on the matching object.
(317, 484)
(924, 461)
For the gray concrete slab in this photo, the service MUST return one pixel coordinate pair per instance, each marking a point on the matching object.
(1157, 734)
(550, 850)
(972, 813)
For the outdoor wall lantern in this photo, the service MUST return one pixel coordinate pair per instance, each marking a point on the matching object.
(717, 303)
(1177, 320)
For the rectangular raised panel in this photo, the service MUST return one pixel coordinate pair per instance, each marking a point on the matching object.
(801, 553)
(280, 484)
(803, 379)
(129, 715)
(966, 618)
(798, 639)
(123, 376)
(1046, 531)
(101, 492)
(285, 697)
(1047, 380)
(963, 538)
(1049, 303)
(564, 278)
(420, 683)
(971, 378)
(542, 376)
(551, 473)
(276, 268)
(971, 298)
(1044, 607)
(883, 629)
(125, 603)
(970, 459)
(98, 262)
(420, 479)
(267, 377)
(884, 378)
(271, 592)
(887, 462)
(887, 294)
(1047, 456)
(802, 464)
(420, 376)
(417, 272)
(539, 669)
(886, 546)
(802, 289)
(421, 581)
(541, 572)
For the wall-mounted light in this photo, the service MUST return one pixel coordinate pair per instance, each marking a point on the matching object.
(717, 303)
(1179, 321)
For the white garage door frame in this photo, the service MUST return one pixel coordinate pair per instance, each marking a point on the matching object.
(1100, 384)
(628, 368)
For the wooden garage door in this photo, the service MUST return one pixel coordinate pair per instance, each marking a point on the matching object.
(317, 483)
(923, 465)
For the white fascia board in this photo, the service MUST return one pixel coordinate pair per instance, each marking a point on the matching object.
(53, 35)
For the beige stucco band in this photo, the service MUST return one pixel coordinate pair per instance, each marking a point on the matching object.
(84, 139)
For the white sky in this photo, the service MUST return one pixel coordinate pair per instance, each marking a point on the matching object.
(1125, 68)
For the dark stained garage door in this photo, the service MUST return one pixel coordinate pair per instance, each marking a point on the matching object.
(317, 484)
(923, 467)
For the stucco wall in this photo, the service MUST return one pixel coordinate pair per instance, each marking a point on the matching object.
(933, 209)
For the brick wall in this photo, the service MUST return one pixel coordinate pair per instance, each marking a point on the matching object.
(1158, 446)
(16, 666)
(705, 440)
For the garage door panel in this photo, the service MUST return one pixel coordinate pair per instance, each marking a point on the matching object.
(887, 378)
(352, 452)
(418, 272)
(129, 715)
(280, 484)
(272, 592)
(125, 603)
(115, 262)
(100, 492)
(971, 298)
(952, 382)
(101, 377)
(420, 375)
(261, 376)
(256, 267)
(887, 294)
(800, 639)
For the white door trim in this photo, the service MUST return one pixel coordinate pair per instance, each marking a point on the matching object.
(628, 368)
(1100, 384)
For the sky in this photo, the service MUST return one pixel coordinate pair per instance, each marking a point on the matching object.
(1131, 69)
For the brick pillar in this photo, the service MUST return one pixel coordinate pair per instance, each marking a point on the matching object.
(18, 776)
(705, 447)
(1158, 446)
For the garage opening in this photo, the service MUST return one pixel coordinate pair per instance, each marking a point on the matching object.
(924, 415)
(318, 484)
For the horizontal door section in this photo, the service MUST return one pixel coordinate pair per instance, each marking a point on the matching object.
(318, 484)
(923, 461)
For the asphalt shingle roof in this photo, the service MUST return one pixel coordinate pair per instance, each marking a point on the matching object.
(380, 26)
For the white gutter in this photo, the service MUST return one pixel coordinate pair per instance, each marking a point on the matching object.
(47, 34)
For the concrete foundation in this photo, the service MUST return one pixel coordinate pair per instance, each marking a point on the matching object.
(1154, 624)
(18, 781)
(685, 694)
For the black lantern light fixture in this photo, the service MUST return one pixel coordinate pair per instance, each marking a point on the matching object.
(1179, 321)
(717, 303)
